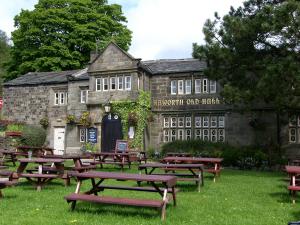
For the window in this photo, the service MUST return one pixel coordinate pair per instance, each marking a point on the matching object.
(204, 86)
(180, 87)
(173, 87)
(180, 121)
(188, 87)
(294, 129)
(82, 134)
(105, 84)
(56, 99)
(212, 86)
(60, 98)
(83, 96)
(112, 83)
(166, 122)
(197, 86)
(197, 121)
(180, 134)
(98, 84)
(128, 83)
(166, 135)
(204, 127)
(120, 83)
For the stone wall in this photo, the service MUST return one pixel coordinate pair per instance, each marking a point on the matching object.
(26, 104)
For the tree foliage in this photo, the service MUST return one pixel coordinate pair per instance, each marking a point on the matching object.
(254, 52)
(59, 34)
(4, 53)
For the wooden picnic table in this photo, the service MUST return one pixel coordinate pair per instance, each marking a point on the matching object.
(115, 158)
(212, 165)
(40, 177)
(293, 172)
(179, 154)
(98, 178)
(196, 171)
(8, 156)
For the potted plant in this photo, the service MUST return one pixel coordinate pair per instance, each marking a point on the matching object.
(85, 119)
(44, 122)
(71, 119)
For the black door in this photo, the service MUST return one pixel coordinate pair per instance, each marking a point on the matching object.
(111, 131)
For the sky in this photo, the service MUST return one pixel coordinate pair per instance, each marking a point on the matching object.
(162, 29)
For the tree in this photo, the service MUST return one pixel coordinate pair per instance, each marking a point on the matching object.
(59, 34)
(4, 53)
(254, 52)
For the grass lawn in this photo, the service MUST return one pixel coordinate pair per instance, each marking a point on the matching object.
(238, 197)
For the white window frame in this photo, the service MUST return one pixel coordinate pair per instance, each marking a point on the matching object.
(213, 121)
(105, 83)
(166, 122)
(188, 136)
(127, 83)
(221, 135)
(84, 96)
(188, 121)
(62, 98)
(181, 134)
(212, 86)
(188, 87)
(205, 121)
(215, 136)
(56, 98)
(198, 119)
(204, 85)
(173, 137)
(180, 87)
(113, 80)
(198, 136)
(82, 135)
(205, 137)
(120, 83)
(221, 121)
(173, 87)
(172, 122)
(166, 134)
(180, 120)
(98, 84)
(198, 88)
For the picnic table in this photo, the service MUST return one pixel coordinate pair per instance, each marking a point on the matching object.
(8, 156)
(212, 165)
(196, 171)
(6, 180)
(179, 154)
(293, 172)
(98, 178)
(115, 158)
(42, 176)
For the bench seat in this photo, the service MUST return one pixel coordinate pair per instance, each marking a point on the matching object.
(37, 175)
(149, 189)
(114, 200)
(293, 190)
(4, 184)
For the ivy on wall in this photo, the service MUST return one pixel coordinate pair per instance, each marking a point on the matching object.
(142, 109)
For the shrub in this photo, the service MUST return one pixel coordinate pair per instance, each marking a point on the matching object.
(33, 136)
(15, 127)
(246, 157)
(44, 122)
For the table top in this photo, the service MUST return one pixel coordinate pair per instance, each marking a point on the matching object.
(292, 169)
(164, 165)
(179, 154)
(110, 154)
(192, 159)
(40, 160)
(169, 180)
(6, 151)
(68, 156)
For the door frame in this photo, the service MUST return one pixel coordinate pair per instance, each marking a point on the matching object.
(59, 152)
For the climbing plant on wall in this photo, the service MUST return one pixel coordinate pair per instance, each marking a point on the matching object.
(142, 109)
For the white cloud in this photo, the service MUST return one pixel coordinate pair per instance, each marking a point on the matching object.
(167, 28)
(9, 9)
(161, 28)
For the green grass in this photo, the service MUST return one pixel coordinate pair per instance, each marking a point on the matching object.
(238, 197)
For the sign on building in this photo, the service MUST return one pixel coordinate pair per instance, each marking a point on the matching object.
(92, 135)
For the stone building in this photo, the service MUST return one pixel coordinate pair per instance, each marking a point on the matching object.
(185, 104)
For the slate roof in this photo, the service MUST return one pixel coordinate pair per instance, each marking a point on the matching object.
(167, 66)
(154, 67)
(36, 78)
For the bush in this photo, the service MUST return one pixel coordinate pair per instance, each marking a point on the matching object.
(33, 136)
(246, 157)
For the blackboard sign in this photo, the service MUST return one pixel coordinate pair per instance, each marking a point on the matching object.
(92, 135)
(121, 146)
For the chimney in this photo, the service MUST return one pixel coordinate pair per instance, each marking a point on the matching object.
(93, 55)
